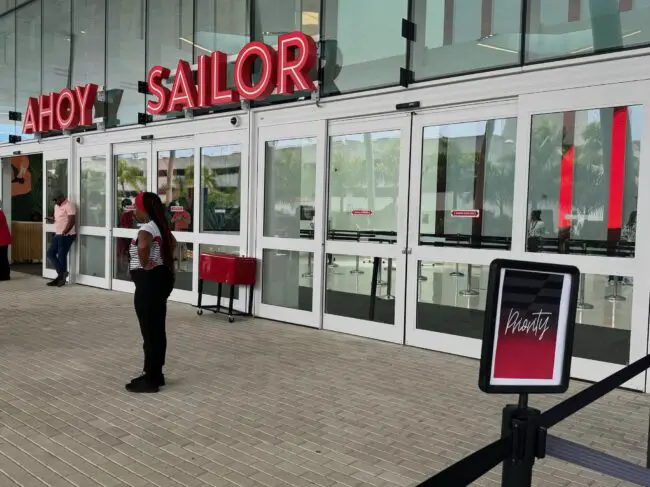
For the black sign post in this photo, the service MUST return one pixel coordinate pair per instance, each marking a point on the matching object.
(527, 347)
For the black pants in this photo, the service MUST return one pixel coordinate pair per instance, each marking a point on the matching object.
(4, 263)
(152, 288)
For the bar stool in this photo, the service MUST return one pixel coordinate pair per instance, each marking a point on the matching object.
(469, 291)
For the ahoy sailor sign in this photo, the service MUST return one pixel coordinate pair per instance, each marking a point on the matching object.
(283, 70)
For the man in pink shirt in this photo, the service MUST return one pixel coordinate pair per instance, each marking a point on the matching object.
(65, 219)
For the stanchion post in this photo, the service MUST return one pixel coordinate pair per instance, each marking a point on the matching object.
(520, 421)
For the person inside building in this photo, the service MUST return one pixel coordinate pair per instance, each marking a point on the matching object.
(5, 242)
(151, 262)
(65, 220)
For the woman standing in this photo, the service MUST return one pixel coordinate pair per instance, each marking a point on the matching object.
(151, 262)
(5, 242)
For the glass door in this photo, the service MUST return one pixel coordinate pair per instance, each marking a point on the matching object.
(365, 247)
(221, 219)
(174, 182)
(55, 182)
(290, 195)
(462, 203)
(94, 215)
(131, 173)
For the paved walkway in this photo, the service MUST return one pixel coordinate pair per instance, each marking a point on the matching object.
(254, 403)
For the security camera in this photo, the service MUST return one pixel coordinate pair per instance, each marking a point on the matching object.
(234, 121)
(79, 140)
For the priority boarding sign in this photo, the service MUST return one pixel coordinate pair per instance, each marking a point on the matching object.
(529, 326)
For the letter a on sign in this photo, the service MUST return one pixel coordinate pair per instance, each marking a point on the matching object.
(30, 125)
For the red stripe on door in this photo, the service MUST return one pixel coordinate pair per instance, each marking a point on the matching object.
(617, 169)
(566, 171)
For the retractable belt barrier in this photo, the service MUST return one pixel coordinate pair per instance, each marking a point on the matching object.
(527, 349)
(480, 462)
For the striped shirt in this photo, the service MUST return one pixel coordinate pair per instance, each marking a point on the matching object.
(155, 255)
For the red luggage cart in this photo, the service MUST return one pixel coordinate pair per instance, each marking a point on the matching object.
(226, 269)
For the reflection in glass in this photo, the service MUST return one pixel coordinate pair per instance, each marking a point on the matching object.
(366, 53)
(364, 185)
(604, 318)
(184, 266)
(583, 184)
(221, 25)
(451, 298)
(56, 45)
(289, 188)
(212, 288)
(220, 186)
(468, 184)
(565, 28)
(7, 75)
(88, 42)
(49, 236)
(92, 203)
(462, 36)
(28, 54)
(349, 288)
(125, 61)
(176, 187)
(286, 280)
(92, 253)
(56, 182)
(121, 259)
(130, 179)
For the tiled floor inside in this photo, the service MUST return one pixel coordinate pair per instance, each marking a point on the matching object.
(253, 403)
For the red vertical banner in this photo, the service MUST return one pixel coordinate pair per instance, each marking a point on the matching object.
(448, 28)
(566, 172)
(486, 18)
(574, 10)
(617, 173)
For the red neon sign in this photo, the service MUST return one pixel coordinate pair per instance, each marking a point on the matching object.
(284, 70)
(64, 110)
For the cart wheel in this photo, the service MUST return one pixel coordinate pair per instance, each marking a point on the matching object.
(200, 312)
(231, 319)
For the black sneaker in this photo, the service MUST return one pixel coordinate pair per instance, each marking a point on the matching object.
(142, 385)
(54, 282)
(63, 280)
(158, 380)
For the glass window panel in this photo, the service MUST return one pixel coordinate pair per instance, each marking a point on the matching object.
(7, 74)
(451, 298)
(27, 187)
(57, 45)
(184, 266)
(56, 182)
(92, 255)
(364, 184)
(49, 237)
(349, 288)
(290, 188)
(604, 318)
(28, 54)
(88, 42)
(364, 47)
(286, 280)
(221, 189)
(6, 5)
(125, 61)
(170, 34)
(211, 288)
(176, 187)
(121, 259)
(463, 35)
(92, 207)
(565, 28)
(583, 181)
(275, 17)
(221, 25)
(468, 184)
(130, 179)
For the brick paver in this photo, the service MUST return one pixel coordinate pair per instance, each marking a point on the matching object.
(253, 403)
